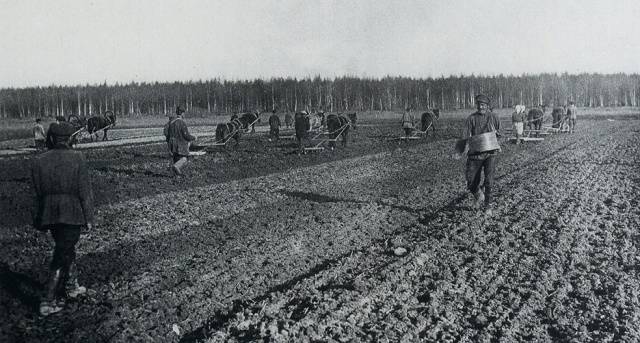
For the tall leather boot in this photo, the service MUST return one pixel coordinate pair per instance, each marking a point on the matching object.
(71, 286)
(49, 305)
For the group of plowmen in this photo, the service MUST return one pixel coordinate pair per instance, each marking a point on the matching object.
(563, 119)
(308, 127)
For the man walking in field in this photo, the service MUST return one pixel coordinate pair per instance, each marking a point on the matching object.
(178, 139)
(572, 116)
(39, 135)
(302, 126)
(408, 122)
(63, 204)
(479, 122)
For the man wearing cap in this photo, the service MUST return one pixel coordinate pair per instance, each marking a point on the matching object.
(408, 121)
(178, 138)
(63, 203)
(481, 121)
(38, 135)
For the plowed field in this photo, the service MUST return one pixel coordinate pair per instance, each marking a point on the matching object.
(257, 243)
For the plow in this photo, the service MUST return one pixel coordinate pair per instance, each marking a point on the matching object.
(321, 138)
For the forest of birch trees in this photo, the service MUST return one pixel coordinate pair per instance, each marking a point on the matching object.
(315, 93)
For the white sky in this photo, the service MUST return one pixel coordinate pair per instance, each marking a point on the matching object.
(82, 41)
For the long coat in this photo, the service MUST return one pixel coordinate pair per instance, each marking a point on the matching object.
(178, 137)
(62, 191)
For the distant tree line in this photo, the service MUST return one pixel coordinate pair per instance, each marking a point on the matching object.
(338, 94)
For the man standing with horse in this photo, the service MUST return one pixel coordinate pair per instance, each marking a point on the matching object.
(274, 125)
(63, 204)
(518, 118)
(178, 139)
(480, 122)
(408, 122)
(302, 125)
(38, 135)
(572, 116)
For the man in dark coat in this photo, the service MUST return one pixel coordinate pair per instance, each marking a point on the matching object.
(63, 203)
(178, 139)
(302, 126)
(274, 125)
(481, 121)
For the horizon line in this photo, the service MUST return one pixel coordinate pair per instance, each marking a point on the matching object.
(311, 77)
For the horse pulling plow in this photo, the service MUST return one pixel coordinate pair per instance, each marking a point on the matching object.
(337, 126)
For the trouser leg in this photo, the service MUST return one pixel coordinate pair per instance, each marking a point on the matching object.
(66, 237)
(488, 165)
(473, 174)
(299, 139)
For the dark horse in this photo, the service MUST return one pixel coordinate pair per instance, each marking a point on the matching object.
(338, 125)
(557, 114)
(233, 129)
(534, 119)
(248, 120)
(428, 120)
(95, 123)
(104, 123)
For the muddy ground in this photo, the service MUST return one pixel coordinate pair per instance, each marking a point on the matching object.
(257, 243)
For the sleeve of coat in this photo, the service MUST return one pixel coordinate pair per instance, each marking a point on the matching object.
(35, 181)
(466, 129)
(185, 132)
(84, 191)
(165, 130)
(49, 139)
(497, 125)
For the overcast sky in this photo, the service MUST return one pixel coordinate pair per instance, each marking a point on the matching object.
(82, 41)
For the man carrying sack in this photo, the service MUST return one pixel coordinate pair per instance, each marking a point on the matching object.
(63, 204)
(479, 140)
(178, 138)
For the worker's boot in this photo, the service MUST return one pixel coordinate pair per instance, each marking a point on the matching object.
(49, 305)
(177, 167)
(479, 196)
(71, 285)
